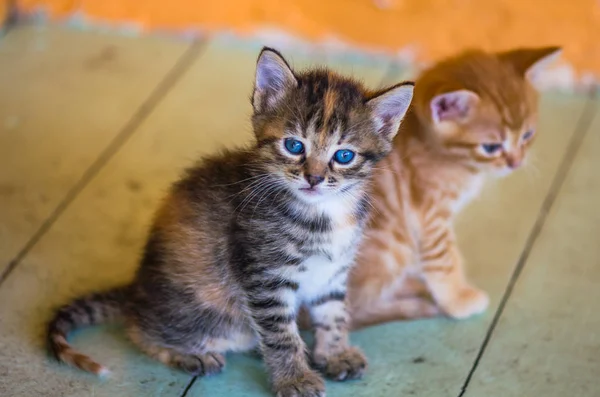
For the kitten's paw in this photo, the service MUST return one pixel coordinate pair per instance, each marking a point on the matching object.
(201, 365)
(467, 302)
(349, 364)
(309, 384)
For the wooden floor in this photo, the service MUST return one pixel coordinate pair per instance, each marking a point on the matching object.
(94, 127)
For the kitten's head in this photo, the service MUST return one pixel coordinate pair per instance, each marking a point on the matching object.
(481, 107)
(320, 133)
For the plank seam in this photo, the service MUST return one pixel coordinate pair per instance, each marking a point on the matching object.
(581, 129)
(127, 131)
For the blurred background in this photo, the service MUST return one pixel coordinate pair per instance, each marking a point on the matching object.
(413, 30)
(104, 102)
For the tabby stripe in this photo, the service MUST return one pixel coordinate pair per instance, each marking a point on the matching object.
(399, 234)
(371, 156)
(319, 224)
(317, 252)
(273, 323)
(332, 296)
(379, 241)
(266, 141)
(363, 209)
(438, 242)
(433, 256)
(398, 255)
(88, 309)
(65, 316)
(292, 261)
(288, 347)
(266, 303)
(342, 270)
(294, 238)
(273, 285)
(434, 253)
(437, 269)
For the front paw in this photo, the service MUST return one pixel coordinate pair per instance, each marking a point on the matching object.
(349, 364)
(467, 302)
(309, 384)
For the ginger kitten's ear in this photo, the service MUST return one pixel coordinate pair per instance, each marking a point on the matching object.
(454, 106)
(389, 107)
(527, 61)
(274, 78)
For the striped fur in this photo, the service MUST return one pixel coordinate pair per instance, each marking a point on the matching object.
(93, 309)
(239, 244)
(410, 265)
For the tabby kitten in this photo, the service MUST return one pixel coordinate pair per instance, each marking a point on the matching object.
(473, 116)
(249, 235)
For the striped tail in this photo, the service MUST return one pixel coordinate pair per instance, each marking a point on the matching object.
(98, 308)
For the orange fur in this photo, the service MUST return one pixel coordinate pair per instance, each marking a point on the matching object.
(410, 265)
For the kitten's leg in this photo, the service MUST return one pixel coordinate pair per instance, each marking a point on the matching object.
(193, 364)
(380, 290)
(209, 363)
(332, 353)
(442, 270)
(399, 309)
(273, 305)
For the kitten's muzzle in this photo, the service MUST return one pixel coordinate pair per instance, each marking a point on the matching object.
(514, 161)
(314, 180)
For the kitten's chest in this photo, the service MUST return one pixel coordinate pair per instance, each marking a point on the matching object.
(316, 275)
(338, 243)
(329, 256)
(466, 192)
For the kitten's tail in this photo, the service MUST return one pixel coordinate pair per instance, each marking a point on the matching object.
(97, 308)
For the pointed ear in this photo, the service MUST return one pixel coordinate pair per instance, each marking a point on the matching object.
(274, 78)
(453, 106)
(389, 107)
(527, 61)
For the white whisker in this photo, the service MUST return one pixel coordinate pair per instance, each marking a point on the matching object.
(270, 191)
(251, 185)
(242, 181)
(259, 190)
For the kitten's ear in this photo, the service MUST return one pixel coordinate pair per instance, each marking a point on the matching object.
(454, 106)
(527, 61)
(389, 107)
(274, 78)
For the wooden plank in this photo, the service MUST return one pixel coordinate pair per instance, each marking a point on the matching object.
(65, 95)
(547, 341)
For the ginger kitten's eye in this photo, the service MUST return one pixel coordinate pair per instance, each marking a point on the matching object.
(527, 135)
(491, 148)
(344, 156)
(294, 146)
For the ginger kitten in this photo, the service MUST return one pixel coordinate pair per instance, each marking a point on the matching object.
(249, 235)
(473, 116)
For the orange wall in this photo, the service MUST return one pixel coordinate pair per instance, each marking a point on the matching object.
(434, 27)
(3, 11)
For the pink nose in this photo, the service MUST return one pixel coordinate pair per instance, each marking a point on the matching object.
(514, 162)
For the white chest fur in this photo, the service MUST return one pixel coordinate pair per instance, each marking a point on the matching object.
(469, 192)
(317, 278)
(317, 274)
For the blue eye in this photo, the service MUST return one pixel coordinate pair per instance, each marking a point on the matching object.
(343, 156)
(491, 148)
(294, 146)
(527, 135)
